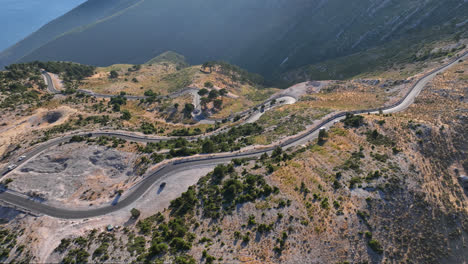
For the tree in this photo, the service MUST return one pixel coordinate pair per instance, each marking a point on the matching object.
(208, 147)
(188, 109)
(277, 152)
(218, 103)
(218, 173)
(116, 108)
(126, 115)
(203, 92)
(353, 120)
(375, 245)
(149, 93)
(135, 213)
(158, 248)
(322, 135)
(213, 94)
(135, 68)
(209, 64)
(204, 101)
(208, 84)
(223, 92)
(176, 106)
(179, 244)
(114, 75)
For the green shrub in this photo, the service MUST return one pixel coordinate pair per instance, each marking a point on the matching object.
(208, 84)
(81, 241)
(368, 234)
(336, 184)
(137, 245)
(101, 250)
(113, 75)
(148, 128)
(203, 91)
(354, 180)
(135, 213)
(264, 228)
(374, 137)
(157, 157)
(373, 175)
(185, 203)
(375, 245)
(184, 259)
(64, 244)
(208, 147)
(126, 115)
(179, 244)
(353, 120)
(246, 238)
(325, 204)
(380, 157)
(251, 220)
(158, 249)
(77, 139)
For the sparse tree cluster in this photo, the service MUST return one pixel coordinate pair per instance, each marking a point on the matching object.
(213, 96)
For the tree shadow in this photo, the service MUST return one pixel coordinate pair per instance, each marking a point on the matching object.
(160, 189)
(131, 221)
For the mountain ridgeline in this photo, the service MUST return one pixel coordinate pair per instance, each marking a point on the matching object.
(264, 36)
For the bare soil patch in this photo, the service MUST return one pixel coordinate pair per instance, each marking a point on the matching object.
(76, 174)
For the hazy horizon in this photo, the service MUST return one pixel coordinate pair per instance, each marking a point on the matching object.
(23, 17)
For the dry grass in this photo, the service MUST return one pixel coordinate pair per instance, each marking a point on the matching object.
(160, 78)
(165, 78)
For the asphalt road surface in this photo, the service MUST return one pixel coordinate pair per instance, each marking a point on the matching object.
(27, 203)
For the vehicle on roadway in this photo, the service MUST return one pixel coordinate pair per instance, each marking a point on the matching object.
(21, 158)
(12, 167)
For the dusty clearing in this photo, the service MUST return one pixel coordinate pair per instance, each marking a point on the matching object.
(17, 128)
(46, 232)
(75, 174)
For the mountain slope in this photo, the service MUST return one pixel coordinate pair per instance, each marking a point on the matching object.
(86, 13)
(37, 13)
(265, 36)
(169, 56)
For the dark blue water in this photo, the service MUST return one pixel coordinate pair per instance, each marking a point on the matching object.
(19, 18)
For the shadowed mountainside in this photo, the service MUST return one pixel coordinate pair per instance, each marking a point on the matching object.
(267, 37)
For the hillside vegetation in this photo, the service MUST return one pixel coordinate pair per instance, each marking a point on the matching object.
(363, 189)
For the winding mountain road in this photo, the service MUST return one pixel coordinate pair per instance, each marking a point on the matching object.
(186, 164)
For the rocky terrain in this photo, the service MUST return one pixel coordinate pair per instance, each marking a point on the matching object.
(372, 189)
(76, 175)
(365, 194)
